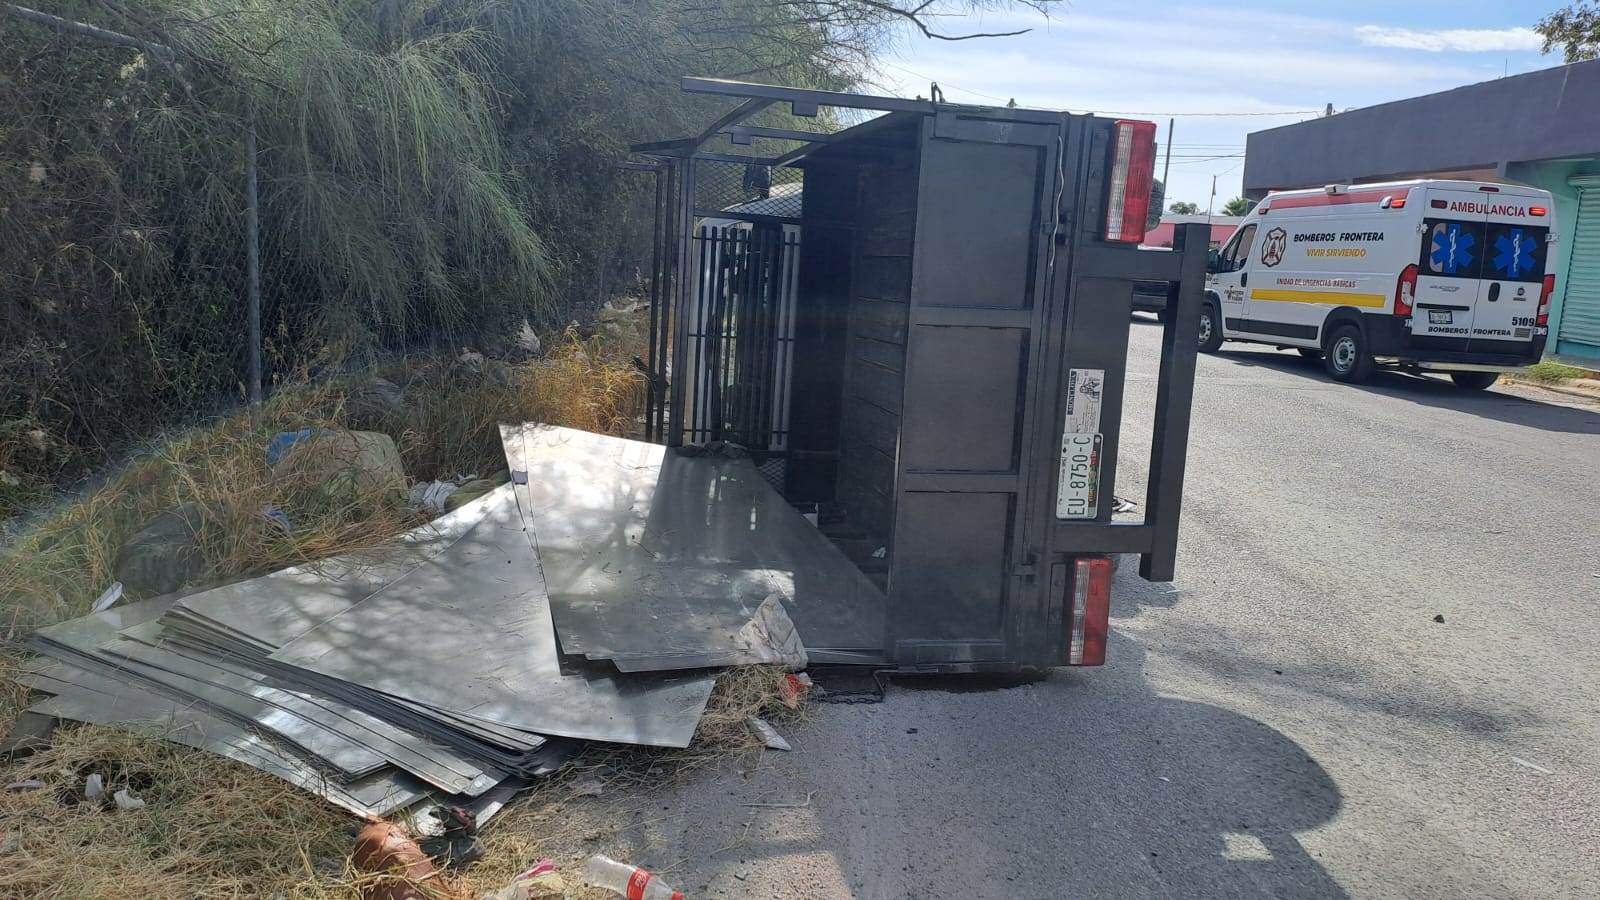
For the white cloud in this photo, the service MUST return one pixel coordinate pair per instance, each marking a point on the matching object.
(1467, 40)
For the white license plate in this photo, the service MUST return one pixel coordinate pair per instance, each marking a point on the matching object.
(1439, 316)
(1078, 495)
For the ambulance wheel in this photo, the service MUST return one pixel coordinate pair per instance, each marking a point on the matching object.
(1210, 328)
(1347, 359)
(1309, 353)
(1474, 381)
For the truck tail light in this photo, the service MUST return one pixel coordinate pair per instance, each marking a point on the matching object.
(1538, 211)
(1405, 290)
(1091, 611)
(1133, 166)
(1543, 316)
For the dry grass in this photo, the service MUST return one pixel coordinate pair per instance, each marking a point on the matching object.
(448, 424)
(214, 828)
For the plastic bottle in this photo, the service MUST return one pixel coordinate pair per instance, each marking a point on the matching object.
(629, 881)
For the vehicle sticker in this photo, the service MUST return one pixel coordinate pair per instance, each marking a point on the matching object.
(1450, 249)
(1085, 388)
(1078, 487)
(1516, 252)
(1277, 241)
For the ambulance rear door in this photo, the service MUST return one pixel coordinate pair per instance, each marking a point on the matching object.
(1449, 264)
(1514, 253)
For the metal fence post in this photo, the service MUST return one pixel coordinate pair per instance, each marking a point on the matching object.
(252, 227)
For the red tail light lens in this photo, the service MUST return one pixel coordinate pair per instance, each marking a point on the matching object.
(1543, 316)
(1091, 611)
(1133, 166)
(1405, 290)
(1538, 211)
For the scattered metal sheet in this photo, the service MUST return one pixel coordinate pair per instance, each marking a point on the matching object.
(379, 794)
(299, 717)
(84, 642)
(657, 560)
(469, 634)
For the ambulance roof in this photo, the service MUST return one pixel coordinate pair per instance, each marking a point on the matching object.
(1376, 191)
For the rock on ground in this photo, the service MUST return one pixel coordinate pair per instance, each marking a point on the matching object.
(164, 554)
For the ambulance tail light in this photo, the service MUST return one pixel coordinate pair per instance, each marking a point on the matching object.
(1538, 211)
(1405, 290)
(1542, 318)
(1133, 167)
(1091, 611)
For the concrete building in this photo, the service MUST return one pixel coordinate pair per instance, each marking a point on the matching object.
(1541, 129)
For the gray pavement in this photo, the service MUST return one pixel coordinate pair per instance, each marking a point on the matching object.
(1287, 719)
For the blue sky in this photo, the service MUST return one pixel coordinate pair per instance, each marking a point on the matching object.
(1189, 59)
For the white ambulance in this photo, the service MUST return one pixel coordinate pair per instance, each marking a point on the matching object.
(1431, 275)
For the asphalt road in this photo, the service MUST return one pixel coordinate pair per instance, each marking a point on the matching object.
(1287, 719)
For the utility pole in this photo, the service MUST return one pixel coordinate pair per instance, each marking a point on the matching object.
(1166, 167)
(252, 229)
(1213, 201)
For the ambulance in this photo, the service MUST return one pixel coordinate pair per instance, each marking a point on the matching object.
(1424, 276)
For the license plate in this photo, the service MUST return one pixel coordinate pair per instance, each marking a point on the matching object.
(1078, 496)
(1439, 316)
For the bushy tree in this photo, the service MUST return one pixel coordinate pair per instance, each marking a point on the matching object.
(1184, 208)
(1575, 29)
(431, 172)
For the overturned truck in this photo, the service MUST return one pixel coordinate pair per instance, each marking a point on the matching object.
(918, 327)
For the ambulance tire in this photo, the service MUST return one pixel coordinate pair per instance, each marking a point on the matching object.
(1210, 327)
(1474, 381)
(1347, 358)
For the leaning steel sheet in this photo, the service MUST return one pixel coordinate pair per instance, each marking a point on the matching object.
(659, 560)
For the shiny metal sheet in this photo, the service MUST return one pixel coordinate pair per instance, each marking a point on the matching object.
(469, 633)
(656, 560)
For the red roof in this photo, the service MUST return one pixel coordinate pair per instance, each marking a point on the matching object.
(1161, 235)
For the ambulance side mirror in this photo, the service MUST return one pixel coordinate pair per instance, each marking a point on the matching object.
(1213, 262)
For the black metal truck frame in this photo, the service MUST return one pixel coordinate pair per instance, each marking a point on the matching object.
(953, 290)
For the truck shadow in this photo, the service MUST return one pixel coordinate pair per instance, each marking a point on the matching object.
(1165, 796)
(1433, 391)
(1087, 783)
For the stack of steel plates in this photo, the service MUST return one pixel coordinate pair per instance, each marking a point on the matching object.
(380, 681)
(585, 601)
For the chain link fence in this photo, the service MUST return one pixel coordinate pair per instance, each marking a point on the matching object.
(156, 264)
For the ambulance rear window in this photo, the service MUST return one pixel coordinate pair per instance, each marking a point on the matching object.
(1451, 248)
(1500, 251)
(1515, 252)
